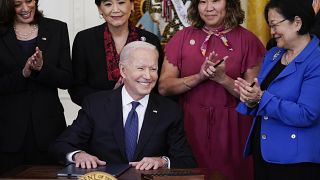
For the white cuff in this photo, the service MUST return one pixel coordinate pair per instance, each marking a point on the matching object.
(167, 161)
(69, 156)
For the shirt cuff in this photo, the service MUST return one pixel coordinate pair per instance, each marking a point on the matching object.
(167, 161)
(69, 156)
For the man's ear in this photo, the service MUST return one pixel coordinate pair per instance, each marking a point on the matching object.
(122, 70)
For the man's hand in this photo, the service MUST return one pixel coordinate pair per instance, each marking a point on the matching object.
(148, 163)
(87, 161)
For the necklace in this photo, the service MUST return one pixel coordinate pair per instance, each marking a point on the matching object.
(286, 62)
(25, 36)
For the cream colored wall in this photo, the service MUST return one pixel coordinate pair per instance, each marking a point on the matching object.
(79, 15)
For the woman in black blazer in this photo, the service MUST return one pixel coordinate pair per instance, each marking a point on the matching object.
(34, 62)
(95, 52)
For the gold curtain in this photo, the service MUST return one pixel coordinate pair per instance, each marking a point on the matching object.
(255, 19)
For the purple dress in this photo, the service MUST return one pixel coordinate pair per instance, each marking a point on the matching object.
(216, 132)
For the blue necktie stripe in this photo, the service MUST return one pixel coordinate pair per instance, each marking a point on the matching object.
(131, 131)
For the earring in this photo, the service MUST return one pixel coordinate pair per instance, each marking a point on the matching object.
(101, 16)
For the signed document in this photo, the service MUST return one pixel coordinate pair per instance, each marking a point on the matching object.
(113, 169)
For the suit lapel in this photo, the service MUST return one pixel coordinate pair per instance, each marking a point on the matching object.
(291, 68)
(114, 107)
(12, 43)
(44, 35)
(150, 121)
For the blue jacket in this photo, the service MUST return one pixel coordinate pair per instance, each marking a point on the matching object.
(290, 108)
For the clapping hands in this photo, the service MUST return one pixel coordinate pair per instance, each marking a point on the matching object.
(214, 68)
(34, 62)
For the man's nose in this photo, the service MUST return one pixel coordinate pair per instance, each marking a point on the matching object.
(147, 74)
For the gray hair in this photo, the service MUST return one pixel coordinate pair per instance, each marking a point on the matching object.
(130, 47)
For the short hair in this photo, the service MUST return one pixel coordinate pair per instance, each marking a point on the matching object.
(130, 47)
(98, 2)
(234, 14)
(289, 9)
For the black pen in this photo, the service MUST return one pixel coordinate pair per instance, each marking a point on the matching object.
(252, 84)
(216, 65)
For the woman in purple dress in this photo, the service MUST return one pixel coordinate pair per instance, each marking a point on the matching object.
(216, 132)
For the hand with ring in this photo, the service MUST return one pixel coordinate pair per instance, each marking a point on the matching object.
(250, 93)
(215, 67)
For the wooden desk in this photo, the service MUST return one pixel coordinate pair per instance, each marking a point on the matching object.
(50, 172)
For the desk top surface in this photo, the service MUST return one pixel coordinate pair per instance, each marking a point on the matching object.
(50, 172)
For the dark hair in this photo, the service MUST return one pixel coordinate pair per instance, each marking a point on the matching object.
(37, 15)
(98, 2)
(6, 12)
(289, 9)
(234, 14)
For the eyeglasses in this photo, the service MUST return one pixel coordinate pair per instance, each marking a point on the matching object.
(274, 25)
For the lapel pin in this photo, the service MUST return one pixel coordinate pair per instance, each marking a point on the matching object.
(44, 38)
(192, 42)
(155, 111)
(143, 38)
(276, 55)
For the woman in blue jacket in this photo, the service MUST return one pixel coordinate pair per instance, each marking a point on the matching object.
(285, 136)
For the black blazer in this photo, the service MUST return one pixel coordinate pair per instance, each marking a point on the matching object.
(89, 65)
(99, 130)
(33, 100)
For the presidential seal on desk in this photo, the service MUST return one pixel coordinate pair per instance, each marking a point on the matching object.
(97, 175)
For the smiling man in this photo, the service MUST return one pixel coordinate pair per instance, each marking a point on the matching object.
(130, 124)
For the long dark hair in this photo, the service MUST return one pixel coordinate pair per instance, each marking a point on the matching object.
(7, 12)
(37, 15)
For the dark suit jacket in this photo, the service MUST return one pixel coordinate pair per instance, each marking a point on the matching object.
(89, 65)
(33, 100)
(99, 130)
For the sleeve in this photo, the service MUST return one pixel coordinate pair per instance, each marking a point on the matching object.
(58, 75)
(75, 137)
(242, 108)
(180, 153)
(303, 112)
(254, 51)
(173, 49)
(80, 88)
(13, 82)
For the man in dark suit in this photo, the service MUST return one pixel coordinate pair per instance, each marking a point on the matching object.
(100, 133)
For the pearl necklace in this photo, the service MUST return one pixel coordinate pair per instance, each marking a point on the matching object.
(25, 36)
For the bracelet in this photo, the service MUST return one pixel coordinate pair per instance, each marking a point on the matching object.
(252, 105)
(185, 83)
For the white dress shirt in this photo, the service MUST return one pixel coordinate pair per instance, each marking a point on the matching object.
(126, 108)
